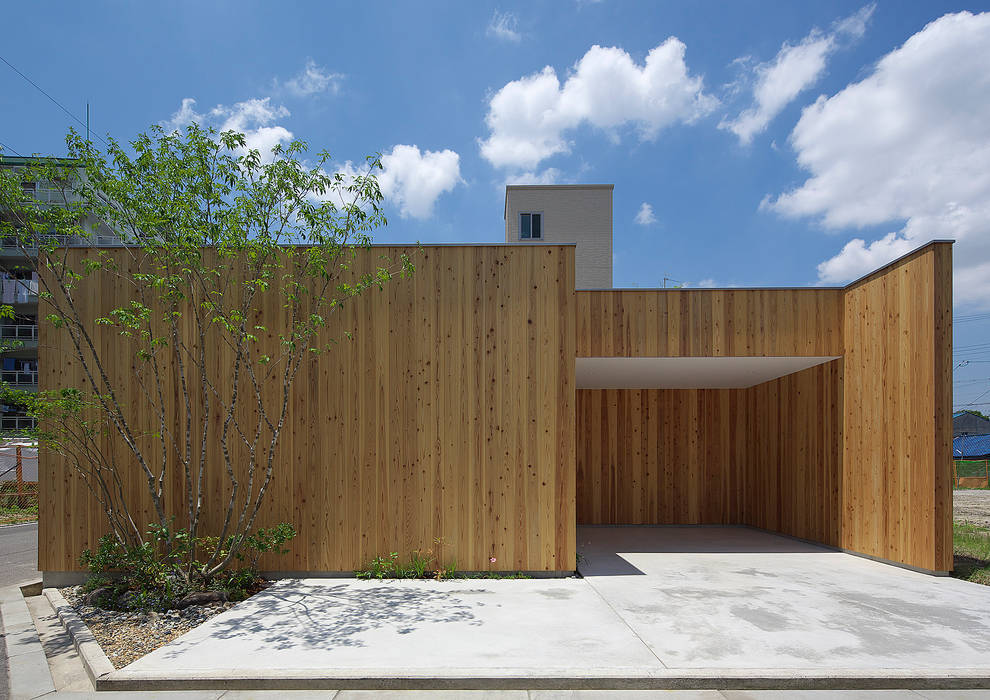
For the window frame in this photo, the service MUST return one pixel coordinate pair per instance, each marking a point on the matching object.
(543, 226)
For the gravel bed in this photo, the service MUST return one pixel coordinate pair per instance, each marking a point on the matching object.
(971, 506)
(127, 636)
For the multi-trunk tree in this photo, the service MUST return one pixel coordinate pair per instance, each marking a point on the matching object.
(210, 233)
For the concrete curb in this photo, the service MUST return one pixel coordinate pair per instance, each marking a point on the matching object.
(96, 663)
(674, 679)
(26, 522)
(27, 665)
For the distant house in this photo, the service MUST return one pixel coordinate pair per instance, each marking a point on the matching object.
(969, 423)
(971, 446)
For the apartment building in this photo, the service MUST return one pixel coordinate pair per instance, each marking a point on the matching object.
(19, 289)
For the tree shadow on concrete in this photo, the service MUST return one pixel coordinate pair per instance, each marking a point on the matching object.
(304, 615)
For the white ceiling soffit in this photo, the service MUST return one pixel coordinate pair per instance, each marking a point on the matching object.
(686, 372)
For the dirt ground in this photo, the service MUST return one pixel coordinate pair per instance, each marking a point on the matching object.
(971, 506)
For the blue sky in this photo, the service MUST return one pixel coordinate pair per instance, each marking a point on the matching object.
(764, 138)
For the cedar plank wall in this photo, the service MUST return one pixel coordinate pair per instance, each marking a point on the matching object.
(793, 475)
(854, 453)
(450, 414)
(897, 495)
(709, 323)
(655, 456)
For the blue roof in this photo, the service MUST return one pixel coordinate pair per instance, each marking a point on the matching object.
(970, 446)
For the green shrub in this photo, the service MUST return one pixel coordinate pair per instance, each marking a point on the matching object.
(157, 574)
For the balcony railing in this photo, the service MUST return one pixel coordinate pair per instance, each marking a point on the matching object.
(9, 243)
(47, 195)
(20, 331)
(19, 377)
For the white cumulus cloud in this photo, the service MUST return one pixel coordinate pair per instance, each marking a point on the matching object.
(313, 79)
(908, 144)
(528, 119)
(645, 215)
(550, 176)
(505, 26)
(414, 180)
(254, 118)
(795, 68)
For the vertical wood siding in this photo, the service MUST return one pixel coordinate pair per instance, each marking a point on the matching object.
(709, 322)
(897, 496)
(450, 414)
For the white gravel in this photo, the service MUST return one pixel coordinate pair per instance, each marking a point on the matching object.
(127, 636)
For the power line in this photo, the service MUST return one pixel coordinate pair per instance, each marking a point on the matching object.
(8, 148)
(54, 101)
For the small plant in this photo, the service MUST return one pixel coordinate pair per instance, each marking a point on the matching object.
(421, 563)
(380, 567)
(448, 571)
(425, 564)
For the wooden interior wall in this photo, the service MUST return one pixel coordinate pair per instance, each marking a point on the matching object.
(794, 461)
(897, 497)
(709, 323)
(660, 456)
(767, 456)
(450, 414)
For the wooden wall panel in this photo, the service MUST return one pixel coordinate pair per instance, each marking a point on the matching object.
(450, 414)
(709, 322)
(794, 461)
(654, 456)
(897, 498)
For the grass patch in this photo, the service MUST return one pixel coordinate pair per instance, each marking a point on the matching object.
(971, 550)
(15, 515)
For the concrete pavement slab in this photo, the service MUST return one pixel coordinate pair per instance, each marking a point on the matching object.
(625, 695)
(153, 695)
(280, 694)
(736, 598)
(821, 695)
(675, 608)
(27, 670)
(431, 695)
(407, 629)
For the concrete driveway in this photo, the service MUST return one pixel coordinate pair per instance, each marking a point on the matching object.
(657, 607)
(736, 598)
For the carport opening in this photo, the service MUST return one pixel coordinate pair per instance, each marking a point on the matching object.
(710, 441)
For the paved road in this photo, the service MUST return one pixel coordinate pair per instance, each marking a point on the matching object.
(19, 554)
(18, 564)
